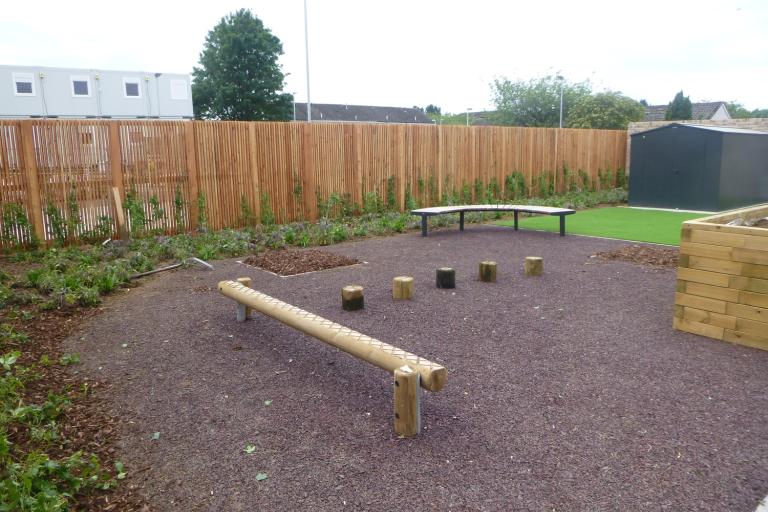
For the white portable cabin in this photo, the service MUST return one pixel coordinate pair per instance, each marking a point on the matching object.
(68, 93)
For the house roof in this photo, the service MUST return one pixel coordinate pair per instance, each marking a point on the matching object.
(361, 113)
(698, 111)
(721, 129)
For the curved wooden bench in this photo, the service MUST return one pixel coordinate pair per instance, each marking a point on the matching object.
(425, 213)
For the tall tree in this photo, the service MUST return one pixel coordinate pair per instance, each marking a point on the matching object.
(432, 109)
(239, 77)
(537, 101)
(679, 109)
(738, 111)
(606, 110)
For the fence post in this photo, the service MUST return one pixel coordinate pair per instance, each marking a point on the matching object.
(116, 170)
(308, 169)
(194, 188)
(254, 164)
(33, 183)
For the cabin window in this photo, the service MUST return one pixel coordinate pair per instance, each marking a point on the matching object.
(131, 88)
(81, 86)
(23, 84)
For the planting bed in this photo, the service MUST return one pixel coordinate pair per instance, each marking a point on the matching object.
(287, 262)
(568, 391)
(722, 282)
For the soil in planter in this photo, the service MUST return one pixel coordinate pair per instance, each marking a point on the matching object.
(647, 255)
(290, 262)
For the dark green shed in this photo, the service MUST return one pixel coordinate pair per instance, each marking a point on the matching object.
(693, 167)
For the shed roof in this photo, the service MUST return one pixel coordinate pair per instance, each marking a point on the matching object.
(722, 129)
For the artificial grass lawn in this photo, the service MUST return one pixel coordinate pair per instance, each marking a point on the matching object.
(654, 226)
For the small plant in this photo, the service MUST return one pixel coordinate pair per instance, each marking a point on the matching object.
(101, 231)
(68, 359)
(621, 179)
(479, 191)
(466, 194)
(372, 203)
(202, 212)
(433, 192)
(266, 214)
(137, 218)
(391, 194)
(410, 202)
(16, 228)
(247, 217)
(585, 181)
(73, 214)
(178, 210)
(57, 223)
(493, 191)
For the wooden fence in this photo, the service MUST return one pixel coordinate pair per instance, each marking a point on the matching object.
(56, 173)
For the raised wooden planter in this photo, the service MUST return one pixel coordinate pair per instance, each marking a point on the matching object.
(722, 279)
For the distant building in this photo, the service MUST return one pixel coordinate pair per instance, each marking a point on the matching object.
(40, 92)
(715, 110)
(330, 112)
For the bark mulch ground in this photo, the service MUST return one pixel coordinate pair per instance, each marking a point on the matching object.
(84, 426)
(566, 392)
(288, 262)
(643, 254)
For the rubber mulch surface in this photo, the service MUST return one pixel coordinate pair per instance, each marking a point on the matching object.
(567, 392)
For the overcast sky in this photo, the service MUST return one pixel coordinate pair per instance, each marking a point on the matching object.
(416, 52)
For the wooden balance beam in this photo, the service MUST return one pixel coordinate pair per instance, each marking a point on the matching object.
(410, 371)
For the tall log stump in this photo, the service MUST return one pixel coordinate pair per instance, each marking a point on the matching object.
(488, 271)
(352, 297)
(446, 278)
(534, 266)
(402, 287)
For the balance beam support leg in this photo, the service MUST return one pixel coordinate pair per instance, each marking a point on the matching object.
(407, 402)
(245, 281)
(516, 212)
(423, 225)
(562, 225)
(461, 221)
(242, 312)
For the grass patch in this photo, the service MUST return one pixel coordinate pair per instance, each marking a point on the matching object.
(653, 226)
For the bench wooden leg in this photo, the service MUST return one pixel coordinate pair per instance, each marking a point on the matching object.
(423, 225)
(562, 225)
(516, 220)
(461, 221)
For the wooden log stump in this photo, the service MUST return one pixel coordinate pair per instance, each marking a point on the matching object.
(244, 312)
(407, 402)
(488, 271)
(446, 278)
(534, 266)
(352, 297)
(402, 287)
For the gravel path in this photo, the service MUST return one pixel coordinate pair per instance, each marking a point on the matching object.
(568, 392)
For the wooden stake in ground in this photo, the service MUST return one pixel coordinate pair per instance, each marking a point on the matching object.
(407, 402)
(446, 278)
(402, 287)
(534, 266)
(246, 313)
(488, 271)
(352, 297)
